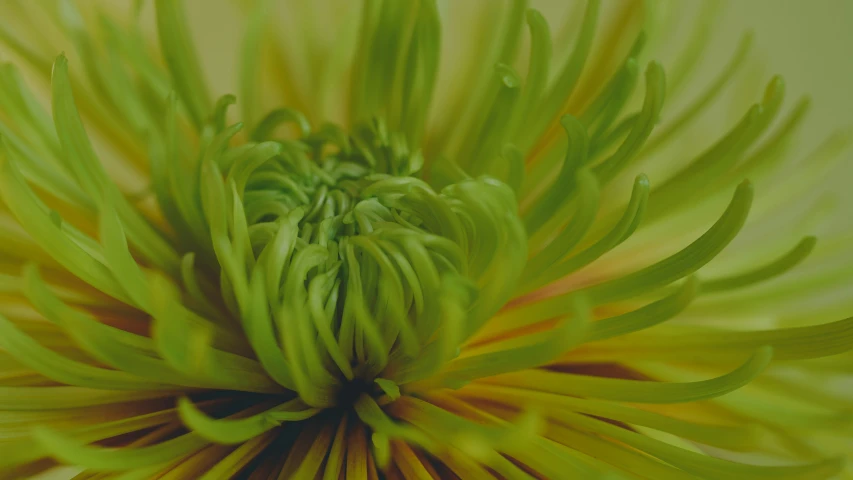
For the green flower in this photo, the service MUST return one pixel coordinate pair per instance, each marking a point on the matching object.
(422, 252)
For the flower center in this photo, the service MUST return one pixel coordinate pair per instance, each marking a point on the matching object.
(366, 271)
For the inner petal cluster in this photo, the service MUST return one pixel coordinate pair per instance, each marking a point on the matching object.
(343, 268)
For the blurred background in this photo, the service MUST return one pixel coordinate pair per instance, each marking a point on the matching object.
(809, 42)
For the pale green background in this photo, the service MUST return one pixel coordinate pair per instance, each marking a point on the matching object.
(810, 42)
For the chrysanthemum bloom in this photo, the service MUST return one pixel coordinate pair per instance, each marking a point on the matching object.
(391, 263)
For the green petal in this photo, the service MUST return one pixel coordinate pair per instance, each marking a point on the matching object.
(566, 79)
(277, 117)
(251, 52)
(372, 415)
(616, 456)
(234, 462)
(59, 398)
(122, 350)
(796, 343)
(74, 452)
(389, 387)
(538, 67)
(488, 443)
(765, 272)
(611, 101)
(233, 431)
(64, 370)
(636, 391)
(686, 261)
(621, 231)
(677, 266)
(259, 331)
(573, 233)
(693, 180)
(182, 60)
(641, 126)
(185, 341)
(537, 350)
(555, 197)
(685, 118)
(745, 437)
(705, 465)
(119, 260)
(81, 160)
(645, 317)
(31, 214)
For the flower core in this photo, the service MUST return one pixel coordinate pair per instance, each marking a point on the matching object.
(368, 256)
